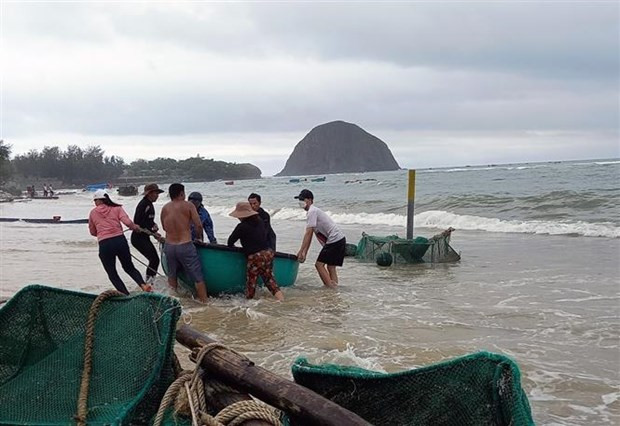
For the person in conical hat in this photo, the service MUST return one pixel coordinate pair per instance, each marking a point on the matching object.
(254, 243)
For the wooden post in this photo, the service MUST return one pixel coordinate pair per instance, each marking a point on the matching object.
(303, 405)
(410, 203)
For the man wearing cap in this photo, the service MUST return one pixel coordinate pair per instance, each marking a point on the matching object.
(331, 238)
(144, 217)
(176, 217)
(207, 224)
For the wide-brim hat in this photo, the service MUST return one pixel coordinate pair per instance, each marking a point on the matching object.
(152, 187)
(242, 210)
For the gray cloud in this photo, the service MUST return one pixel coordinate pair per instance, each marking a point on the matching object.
(165, 69)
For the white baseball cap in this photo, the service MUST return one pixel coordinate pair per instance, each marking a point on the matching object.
(100, 194)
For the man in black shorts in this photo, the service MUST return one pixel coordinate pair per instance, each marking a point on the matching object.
(328, 234)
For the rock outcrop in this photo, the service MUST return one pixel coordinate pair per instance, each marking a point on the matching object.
(339, 147)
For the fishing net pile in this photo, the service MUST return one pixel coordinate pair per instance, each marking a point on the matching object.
(436, 249)
(477, 389)
(42, 355)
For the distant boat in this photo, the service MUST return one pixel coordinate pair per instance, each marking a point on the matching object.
(229, 182)
(127, 190)
(95, 186)
(319, 179)
(55, 219)
(295, 180)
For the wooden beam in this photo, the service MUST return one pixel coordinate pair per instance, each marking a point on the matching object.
(304, 406)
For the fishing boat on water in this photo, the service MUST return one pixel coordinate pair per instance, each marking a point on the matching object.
(224, 269)
(95, 186)
(127, 190)
(54, 220)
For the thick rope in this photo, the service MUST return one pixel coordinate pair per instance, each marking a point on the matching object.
(233, 415)
(82, 408)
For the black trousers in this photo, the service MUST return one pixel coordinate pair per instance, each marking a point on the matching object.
(109, 250)
(143, 244)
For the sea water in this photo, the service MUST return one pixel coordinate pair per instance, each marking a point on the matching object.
(538, 280)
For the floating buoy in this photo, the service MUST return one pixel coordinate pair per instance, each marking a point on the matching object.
(384, 259)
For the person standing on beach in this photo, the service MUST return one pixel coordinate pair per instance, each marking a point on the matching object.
(104, 222)
(255, 202)
(144, 217)
(251, 232)
(205, 218)
(331, 238)
(176, 217)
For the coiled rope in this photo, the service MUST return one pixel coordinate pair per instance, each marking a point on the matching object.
(82, 408)
(188, 387)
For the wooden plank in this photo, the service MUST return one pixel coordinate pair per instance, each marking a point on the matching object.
(304, 406)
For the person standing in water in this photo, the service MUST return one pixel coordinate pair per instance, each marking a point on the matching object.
(144, 217)
(205, 218)
(255, 201)
(331, 238)
(251, 232)
(176, 217)
(104, 222)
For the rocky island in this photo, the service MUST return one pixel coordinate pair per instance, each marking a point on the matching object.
(339, 147)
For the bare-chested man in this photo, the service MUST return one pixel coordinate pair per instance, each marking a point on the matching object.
(176, 217)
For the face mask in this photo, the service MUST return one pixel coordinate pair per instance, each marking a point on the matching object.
(302, 204)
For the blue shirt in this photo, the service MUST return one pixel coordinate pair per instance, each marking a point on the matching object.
(207, 225)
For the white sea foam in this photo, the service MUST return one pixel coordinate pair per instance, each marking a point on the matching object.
(443, 219)
(440, 219)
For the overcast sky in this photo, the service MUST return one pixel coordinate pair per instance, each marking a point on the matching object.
(442, 83)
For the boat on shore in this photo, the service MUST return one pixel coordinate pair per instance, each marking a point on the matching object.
(224, 269)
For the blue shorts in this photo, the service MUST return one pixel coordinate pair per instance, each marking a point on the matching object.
(185, 257)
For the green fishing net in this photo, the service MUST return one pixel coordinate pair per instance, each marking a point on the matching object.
(477, 389)
(430, 250)
(42, 357)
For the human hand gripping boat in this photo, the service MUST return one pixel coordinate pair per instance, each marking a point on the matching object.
(224, 269)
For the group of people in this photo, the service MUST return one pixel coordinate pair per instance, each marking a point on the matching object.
(48, 190)
(187, 221)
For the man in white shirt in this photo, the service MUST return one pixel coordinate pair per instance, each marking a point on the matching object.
(331, 238)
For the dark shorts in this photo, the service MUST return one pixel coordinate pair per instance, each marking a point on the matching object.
(333, 254)
(185, 257)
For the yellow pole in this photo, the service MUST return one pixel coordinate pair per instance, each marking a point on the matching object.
(410, 203)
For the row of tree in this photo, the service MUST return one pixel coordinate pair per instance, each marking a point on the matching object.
(76, 165)
(193, 168)
(73, 165)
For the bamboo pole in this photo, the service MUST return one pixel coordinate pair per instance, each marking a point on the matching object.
(410, 203)
(303, 405)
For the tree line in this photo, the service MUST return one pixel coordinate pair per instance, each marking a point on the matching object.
(77, 165)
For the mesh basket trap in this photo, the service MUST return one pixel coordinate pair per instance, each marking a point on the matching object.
(478, 389)
(42, 356)
(436, 249)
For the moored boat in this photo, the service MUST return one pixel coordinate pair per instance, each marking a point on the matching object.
(127, 190)
(224, 269)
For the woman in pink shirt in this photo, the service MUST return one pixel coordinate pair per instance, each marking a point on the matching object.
(104, 222)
